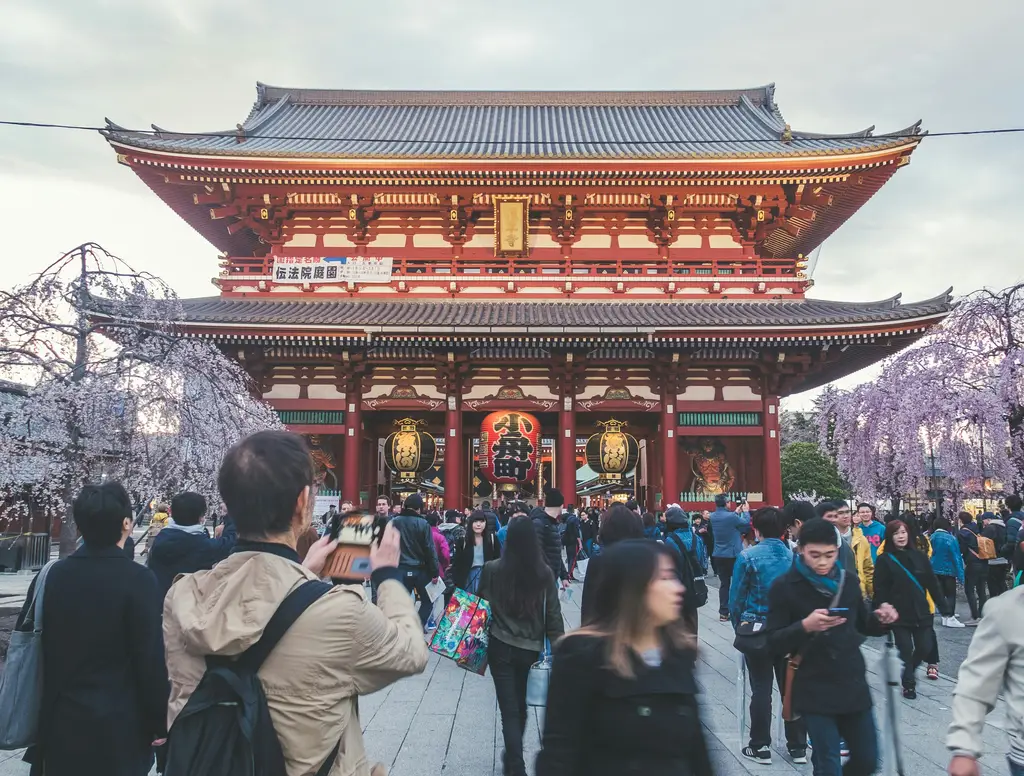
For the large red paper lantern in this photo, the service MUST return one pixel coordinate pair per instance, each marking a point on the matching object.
(509, 447)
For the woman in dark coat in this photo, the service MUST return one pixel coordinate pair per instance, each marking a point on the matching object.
(479, 546)
(905, 579)
(622, 697)
(104, 678)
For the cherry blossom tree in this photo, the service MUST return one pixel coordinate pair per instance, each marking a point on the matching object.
(114, 390)
(956, 397)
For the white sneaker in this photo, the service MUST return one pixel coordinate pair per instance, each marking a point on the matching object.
(952, 622)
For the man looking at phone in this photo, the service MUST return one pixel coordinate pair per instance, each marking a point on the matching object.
(419, 558)
(817, 616)
(339, 648)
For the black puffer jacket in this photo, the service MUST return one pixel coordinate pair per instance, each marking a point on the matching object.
(547, 534)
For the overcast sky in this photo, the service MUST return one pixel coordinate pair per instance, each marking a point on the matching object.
(950, 218)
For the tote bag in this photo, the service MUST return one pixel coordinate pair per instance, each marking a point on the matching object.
(462, 634)
(540, 672)
(21, 686)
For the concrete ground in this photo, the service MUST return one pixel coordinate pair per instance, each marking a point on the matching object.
(445, 721)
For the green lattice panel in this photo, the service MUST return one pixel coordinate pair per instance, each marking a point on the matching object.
(312, 417)
(719, 418)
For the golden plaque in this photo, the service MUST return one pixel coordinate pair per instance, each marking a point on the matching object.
(511, 226)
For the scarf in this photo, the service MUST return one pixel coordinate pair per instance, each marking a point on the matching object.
(198, 528)
(826, 585)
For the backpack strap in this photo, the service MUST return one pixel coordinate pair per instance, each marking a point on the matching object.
(300, 599)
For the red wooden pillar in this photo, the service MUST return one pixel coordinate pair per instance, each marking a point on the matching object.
(772, 451)
(565, 478)
(453, 444)
(669, 451)
(350, 481)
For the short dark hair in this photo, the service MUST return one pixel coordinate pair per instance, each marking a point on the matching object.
(818, 531)
(721, 500)
(433, 519)
(632, 505)
(965, 518)
(1013, 502)
(869, 506)
(825, 507)
(769, 522)
(619, 523)
(261, 478)
(649, 520)
(798, 511)
(382, 496)
(99, 512)
(188, 508)
(942, 524)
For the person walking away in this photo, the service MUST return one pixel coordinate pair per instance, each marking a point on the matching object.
(870, 528)
(1014, 529)
(622, 697)
(572, 540)
(105, 681)
(524, 612)
(156, 525)
(994, 667)
(691, 559)
(756, 570)
(728, 529)
(184, 546)
(975, 568)
(651, 526)
(545, 521)
(904, 579)
(830, 690)
(478, 547)
(341, 647)
(444, 555)
(620, 524)
(419, 558)
(948, 565)
(998, 567)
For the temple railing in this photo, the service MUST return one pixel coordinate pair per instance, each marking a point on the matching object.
(567, 267)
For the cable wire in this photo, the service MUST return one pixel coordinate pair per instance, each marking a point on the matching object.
(678, 141)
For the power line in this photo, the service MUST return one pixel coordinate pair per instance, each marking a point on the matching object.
(446, 141)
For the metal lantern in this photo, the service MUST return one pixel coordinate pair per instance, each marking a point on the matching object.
(408, 452)
(509, 447)
(612, 453)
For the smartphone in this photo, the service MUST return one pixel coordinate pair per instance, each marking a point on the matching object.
(355, 532)
(838, 611)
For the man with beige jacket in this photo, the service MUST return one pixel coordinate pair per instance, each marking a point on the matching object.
(341, 647)
(994, 666)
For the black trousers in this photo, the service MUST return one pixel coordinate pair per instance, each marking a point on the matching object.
(724, 567)
(947, 606)
(914, 643)
(510, 668)
(762, 670)
(997, 579)
(976, 576)
(417, 580)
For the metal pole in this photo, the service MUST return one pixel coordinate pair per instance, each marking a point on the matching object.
(741, 697)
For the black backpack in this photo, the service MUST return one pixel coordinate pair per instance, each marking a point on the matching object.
(225, 728)
(696, 594)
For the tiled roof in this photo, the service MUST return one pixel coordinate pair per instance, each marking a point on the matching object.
(312, 123)
(392, 315)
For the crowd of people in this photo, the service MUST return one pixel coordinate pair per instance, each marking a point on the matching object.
(132, 652)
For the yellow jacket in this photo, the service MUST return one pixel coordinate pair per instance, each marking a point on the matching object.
(865, 566)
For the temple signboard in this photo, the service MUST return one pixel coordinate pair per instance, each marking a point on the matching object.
(332, 269)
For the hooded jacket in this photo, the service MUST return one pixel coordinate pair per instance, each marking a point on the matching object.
(185, 550)
(340, 648)
(550, 544)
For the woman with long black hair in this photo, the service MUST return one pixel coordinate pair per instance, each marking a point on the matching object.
(524, 611)
(622, 697)
(479, 546)
(904, 578)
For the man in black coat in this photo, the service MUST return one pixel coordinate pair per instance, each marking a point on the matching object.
(105, 693)
(816, 613)
(545, 521)
(184, 546)
(418, 562)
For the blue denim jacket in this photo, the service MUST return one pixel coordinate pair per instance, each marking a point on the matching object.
(946, 557)
(728, 529)
(756, 570)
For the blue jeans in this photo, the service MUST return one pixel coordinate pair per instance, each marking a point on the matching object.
(856, 729)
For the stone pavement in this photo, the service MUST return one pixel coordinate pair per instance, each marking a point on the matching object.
(445, 721)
